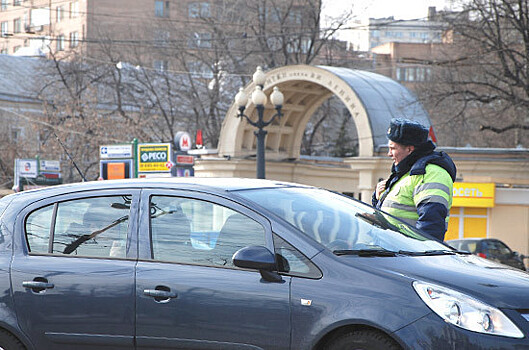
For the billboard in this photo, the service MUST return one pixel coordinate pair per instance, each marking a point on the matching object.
(35, 173)
(473, 194)
(154, 157)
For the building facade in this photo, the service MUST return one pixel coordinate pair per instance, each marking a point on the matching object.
(373, 32)
(153, 33)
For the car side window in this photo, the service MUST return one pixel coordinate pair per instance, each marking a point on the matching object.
(498, 248)
(93, 227)
(192, 231)
(292, 262)
(38, 228)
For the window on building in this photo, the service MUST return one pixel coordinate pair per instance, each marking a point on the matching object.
(200, 70)
(199, 40)
(274, 43)
(421, 75)
(161, 37)
(16, 133)
(17, 2)
(60, 43)
(161, 8)
(295, 16)
(3, 51)
(297, 46)
(74, 39)
(59, 14)
(17, 25)
(74, 9)
(198, 10)
(468, 223)
(410, 74)
(398, 73)
(425, 35)
(160, 65)
(3, 5)
(4, 27)
(428, 76)
(273, 15)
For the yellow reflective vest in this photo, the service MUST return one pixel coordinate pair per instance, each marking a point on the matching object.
(411, 191)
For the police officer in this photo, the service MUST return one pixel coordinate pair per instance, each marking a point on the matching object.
(419, 189)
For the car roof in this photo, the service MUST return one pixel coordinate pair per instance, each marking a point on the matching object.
(207, 184)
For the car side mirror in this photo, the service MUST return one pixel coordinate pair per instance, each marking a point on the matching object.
(257, 258)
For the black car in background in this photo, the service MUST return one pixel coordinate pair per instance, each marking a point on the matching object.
(490, 248)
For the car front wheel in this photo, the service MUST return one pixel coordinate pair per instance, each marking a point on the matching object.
(362, 340)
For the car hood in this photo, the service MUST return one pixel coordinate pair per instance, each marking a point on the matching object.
(496, 284)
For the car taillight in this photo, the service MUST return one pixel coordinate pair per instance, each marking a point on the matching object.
(482, 255)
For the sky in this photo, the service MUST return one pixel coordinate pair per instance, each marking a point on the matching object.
(363, 9)
(400, 9)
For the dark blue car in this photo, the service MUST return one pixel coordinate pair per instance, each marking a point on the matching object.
(239, 264)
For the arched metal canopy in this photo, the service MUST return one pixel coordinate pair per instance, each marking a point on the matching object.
(372, 99)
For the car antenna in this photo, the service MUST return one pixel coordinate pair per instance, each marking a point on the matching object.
(69, 156)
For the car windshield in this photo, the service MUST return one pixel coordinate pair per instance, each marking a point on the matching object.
(342, 224)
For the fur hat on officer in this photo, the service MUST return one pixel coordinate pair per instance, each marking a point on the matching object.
(407, 132)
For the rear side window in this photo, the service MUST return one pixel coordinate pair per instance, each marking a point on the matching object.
(470, 247)
(38, 228)
(94, 227)
(497, 248)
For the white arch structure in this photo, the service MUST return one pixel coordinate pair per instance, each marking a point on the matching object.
(372, 100)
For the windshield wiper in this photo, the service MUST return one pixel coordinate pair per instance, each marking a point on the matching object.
(430, 252)
(365, 252)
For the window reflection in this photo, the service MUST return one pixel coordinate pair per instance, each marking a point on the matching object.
(193, 231)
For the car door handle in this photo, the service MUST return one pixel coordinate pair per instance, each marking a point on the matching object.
(162, 294)
(37, 286)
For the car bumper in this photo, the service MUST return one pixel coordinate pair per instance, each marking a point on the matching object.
(431, 332)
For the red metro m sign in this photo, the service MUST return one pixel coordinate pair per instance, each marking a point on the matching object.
(182, 141)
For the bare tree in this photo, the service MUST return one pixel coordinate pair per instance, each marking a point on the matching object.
(201, 61)
(483, 81)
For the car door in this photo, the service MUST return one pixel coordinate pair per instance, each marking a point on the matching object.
(189, 293)
(73, 270)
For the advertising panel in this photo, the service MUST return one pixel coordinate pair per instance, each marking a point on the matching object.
(154, 157)
(27, 168)
(115, 151)
(35, 173)
(50, 165)
(473, 194)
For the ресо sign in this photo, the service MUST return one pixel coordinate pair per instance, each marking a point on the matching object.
(153, 157)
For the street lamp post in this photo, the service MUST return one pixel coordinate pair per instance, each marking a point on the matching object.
(259, 100)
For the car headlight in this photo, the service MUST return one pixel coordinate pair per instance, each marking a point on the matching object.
(466, 312)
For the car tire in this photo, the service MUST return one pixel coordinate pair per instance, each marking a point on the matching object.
(362, 340)
(9, 342)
